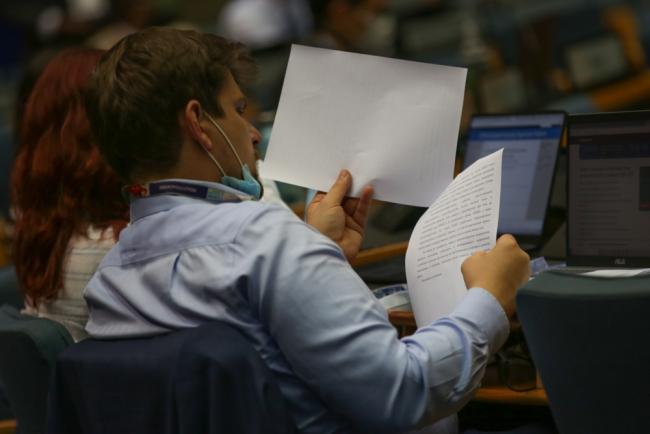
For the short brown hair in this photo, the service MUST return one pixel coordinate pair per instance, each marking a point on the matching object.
(144, 82)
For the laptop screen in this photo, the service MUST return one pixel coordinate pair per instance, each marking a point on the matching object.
(530, 143)
(609, 189)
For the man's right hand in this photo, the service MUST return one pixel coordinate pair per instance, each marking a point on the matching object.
(499, 271)
(342, 219)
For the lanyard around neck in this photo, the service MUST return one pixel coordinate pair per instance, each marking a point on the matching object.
(214, 193)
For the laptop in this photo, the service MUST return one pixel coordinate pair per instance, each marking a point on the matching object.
(531, 144)
(608, 190)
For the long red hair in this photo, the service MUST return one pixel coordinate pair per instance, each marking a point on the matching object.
(60, 182)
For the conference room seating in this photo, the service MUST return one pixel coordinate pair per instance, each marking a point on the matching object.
(588, 338)
(9, 292)
(205, 380)
(29, 347)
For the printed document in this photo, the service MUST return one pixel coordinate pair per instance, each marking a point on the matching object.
(461, 221)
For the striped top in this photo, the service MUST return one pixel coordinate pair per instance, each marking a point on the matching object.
(82, 258)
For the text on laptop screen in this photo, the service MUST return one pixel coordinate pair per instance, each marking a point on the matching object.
(609, 186)
(530, 145)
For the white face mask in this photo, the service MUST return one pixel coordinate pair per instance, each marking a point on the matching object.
(249, 184)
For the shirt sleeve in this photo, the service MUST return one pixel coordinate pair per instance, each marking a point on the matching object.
(338, 340)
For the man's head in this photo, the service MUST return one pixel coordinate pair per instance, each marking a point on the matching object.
(346, 20)
(152, 97)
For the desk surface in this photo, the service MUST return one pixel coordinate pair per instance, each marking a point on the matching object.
(7, 426)
(402, 318)
(379, 254)
(503, 395)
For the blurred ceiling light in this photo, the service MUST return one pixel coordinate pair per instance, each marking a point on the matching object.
(49, 21)
(87, 10)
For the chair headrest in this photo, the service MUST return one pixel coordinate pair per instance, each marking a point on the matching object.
(47, 336)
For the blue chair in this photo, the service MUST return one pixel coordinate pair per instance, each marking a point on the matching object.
(589, 339)
(29, 349)
(205, 380)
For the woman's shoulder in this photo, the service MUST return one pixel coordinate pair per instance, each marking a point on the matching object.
(85, 251)
(93, 238)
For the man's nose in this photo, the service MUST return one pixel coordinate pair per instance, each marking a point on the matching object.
(256, 136)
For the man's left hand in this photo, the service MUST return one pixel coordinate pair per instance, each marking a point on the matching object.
(341, 218)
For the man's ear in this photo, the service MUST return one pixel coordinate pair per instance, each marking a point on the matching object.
(192, 117)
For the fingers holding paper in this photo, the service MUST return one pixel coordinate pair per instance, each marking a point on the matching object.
(340, 218)
(499, 271)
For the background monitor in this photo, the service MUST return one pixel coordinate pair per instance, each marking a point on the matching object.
(531, 143)
(609, 189)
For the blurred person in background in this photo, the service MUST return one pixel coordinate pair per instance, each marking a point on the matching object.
(265, 23)
(200, 13)
(128, 16)
(350, 25)
(67, 201)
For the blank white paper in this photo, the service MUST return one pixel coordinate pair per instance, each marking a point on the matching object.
(392, 123)
(615, 273)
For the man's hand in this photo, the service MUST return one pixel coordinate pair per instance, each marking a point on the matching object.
(500, 271)
(339, 218)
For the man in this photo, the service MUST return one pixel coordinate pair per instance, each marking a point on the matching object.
(166, 106)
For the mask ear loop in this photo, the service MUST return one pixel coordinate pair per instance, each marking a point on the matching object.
(223, 133)
(214, 160)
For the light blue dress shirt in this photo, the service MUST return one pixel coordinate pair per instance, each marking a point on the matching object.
(185, 261)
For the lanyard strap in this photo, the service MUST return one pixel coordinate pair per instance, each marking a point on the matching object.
(214, 194)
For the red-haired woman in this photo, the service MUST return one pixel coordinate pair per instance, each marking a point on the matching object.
(68, 206)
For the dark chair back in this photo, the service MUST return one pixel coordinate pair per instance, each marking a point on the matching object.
(589, 339)
(204, 380)
(28, 349)
(9, 291)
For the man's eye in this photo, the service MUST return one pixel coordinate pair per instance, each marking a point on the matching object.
(241, 109)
